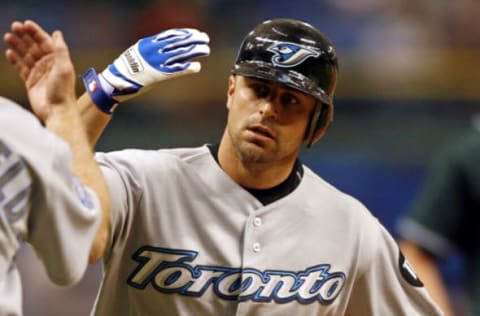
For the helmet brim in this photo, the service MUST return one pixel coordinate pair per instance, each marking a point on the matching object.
(285, 76)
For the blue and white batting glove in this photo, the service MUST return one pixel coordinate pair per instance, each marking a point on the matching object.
(152, 59)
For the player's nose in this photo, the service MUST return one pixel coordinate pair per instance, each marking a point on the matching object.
(268, 108)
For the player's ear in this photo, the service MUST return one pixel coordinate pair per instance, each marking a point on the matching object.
(230, 89)
(325, 117)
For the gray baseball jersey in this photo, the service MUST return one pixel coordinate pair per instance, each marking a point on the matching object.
(41, 203)
(188, 240)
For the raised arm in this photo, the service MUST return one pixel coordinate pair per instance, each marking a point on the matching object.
(93, 118)
(43, 62)
(149, 61)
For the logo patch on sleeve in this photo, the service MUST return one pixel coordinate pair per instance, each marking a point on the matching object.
(83, 194)
(407, 271)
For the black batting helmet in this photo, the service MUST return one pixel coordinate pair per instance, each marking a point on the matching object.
(296, 54)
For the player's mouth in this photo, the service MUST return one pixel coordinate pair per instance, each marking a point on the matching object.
(261, 131)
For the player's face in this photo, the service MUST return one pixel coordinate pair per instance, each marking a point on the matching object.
(267, 120)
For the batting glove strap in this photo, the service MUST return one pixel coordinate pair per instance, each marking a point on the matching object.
(94, 87)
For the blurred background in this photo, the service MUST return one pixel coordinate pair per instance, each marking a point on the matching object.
(409, 75)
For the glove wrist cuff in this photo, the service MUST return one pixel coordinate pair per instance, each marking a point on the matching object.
(100, 98)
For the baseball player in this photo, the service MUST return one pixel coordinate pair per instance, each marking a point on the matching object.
(42, 199)
(241, 227)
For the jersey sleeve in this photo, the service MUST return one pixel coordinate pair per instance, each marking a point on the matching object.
(123, 181)
(62, 216)
(388, 285)
(65, 216)
(15, 189)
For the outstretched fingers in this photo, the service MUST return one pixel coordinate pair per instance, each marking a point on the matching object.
(17, 62)
(16, 50)
(20, 41)
(39, 40)
(28, 43)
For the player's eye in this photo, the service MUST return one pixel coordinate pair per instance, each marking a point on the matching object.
(261, 90)
(287, 99)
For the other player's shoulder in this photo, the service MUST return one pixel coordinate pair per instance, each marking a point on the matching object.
(13, 114)
(22, 133)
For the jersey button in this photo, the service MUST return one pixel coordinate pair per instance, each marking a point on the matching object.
(257, 221)
(256, 247)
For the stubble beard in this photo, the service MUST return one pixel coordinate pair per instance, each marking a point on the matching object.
(249, 152)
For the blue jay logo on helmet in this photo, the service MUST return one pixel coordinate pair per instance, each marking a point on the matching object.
(288, 54)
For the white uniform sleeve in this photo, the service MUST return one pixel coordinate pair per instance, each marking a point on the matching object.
(63, 216)
(15, 184)
(62, 234)
(15, 188)
(389, 285)
(123, 183)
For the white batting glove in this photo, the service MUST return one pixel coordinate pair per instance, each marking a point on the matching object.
(152, 59)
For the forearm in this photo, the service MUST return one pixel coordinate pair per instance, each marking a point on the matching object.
(426, 268)
(93, 119)
(65, 121)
